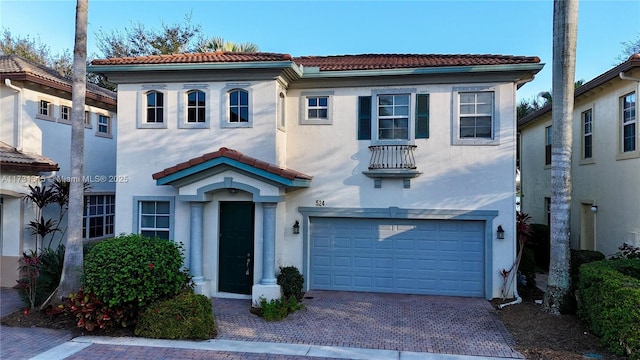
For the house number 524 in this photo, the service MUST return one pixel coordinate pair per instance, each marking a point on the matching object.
(319, 202)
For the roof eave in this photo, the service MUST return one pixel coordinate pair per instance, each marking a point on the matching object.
(196, 66)
(192, 170)
(314, 72)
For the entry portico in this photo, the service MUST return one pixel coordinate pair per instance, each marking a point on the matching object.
(248, 191)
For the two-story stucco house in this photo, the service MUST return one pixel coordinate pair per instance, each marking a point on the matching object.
(383, 173)
(605, 204)
(35, 144)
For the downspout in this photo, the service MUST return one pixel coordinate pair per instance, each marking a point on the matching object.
(17, 132)
(518, 299)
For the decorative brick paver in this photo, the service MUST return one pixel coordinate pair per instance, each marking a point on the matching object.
(436, 324)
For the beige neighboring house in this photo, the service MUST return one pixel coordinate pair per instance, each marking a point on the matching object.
(35, 143)
(605, 209)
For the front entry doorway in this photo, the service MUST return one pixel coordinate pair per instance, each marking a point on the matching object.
(235, 260)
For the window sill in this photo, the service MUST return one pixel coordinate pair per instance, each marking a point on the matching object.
(152, 126)
(628, 155)
(589, 161)
(44, 117)
(237, 125)
(476, 142)
(316, 122)
(202, 125)
(104, 135)
(547, 166)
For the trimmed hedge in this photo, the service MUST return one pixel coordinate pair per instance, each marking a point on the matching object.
(609, 302)
(134, 269)
(291, 281)
(187, 316)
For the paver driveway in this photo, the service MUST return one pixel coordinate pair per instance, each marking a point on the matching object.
(436, 324)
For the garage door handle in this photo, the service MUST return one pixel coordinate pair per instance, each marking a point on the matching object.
(248, 263)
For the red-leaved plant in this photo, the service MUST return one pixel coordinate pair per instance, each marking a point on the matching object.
(92, 313)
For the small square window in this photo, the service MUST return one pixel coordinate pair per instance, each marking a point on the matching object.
(474, 118)
(65, 113)
(315, 108)
(154, 218)
(45, 110)
(87, 119)
(104, 125)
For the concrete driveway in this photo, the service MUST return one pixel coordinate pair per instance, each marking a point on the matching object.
(418, 323)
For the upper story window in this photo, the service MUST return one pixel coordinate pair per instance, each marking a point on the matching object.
(474, 118)
(315, 107)
(629, 132)
(238, 106)
(155, 107)
(196, 107)
(87, 119)
(476, 115)
(104, 125)
(45, 110)
(393, 117)
(587, 134)
(548, 140)
(281, 111)
(65, 113)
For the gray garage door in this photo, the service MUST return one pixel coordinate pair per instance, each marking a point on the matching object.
(434, 257)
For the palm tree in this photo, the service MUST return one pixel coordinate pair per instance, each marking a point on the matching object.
(565, 30)
(219, 44)
(73, 257)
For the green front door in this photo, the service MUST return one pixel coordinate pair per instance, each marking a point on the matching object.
(235, 265)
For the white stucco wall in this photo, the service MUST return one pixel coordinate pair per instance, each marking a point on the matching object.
(607, 180)
(453, 177)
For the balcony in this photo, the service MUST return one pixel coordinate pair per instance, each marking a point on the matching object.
(392, 161)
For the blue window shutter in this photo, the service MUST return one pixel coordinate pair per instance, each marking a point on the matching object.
(422, 116)
(364, 118)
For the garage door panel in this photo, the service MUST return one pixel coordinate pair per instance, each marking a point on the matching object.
(404, 256)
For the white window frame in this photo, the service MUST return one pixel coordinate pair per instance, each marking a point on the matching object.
(375, 120)
(632, 121)
(107, 124)
(142, 107)
(107, 215)
(45, 109)
(281, 111)
(183, 104)
(225, 119)
(495, 116)
(304, 108)
(88, 119)
(137, 216)
(586, 133)
(548, 142)
(63, 113)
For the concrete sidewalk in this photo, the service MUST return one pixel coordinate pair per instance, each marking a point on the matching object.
(338, 325)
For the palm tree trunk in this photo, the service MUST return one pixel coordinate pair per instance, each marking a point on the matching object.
(73, 258)
(565, 30)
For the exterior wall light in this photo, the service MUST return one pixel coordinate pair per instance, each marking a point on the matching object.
(296, 227)
(594, 208)
(500, 232)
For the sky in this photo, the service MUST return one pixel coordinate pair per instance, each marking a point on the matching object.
(515, 27)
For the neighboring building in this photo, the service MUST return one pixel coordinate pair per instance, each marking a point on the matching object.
(383, 173)
(35, 143)
(605, 161)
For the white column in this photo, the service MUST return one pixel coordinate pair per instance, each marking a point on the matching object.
(195, 248)
(268, 287)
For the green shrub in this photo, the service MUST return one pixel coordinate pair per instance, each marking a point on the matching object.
(578, 258)
(608, 297)
(187, 316)
(275, 310)
(291, 281)
(92, 314)
(134, 269)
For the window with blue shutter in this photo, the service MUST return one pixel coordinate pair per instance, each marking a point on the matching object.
(422, 116)
(364, 118)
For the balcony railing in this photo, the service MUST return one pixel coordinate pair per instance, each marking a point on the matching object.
(392, 157)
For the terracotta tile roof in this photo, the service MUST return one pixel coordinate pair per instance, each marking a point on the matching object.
(330, 63)
(210, 57)
(234, 155)
(16, 67)
(12, 159)
(395, 61)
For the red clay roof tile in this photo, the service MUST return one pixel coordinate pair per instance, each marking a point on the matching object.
(330, 63)
(234, 155)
